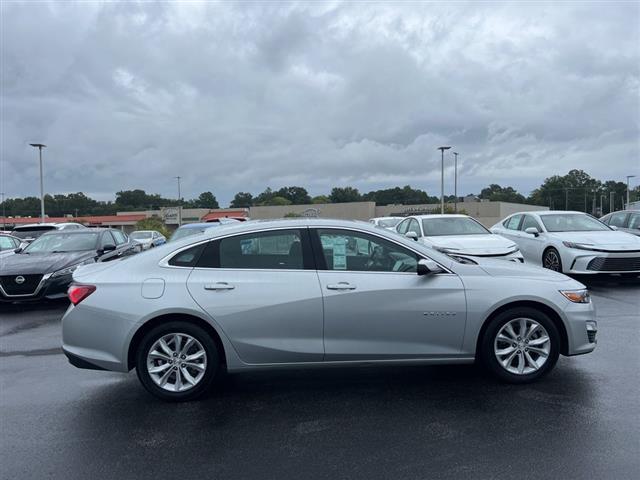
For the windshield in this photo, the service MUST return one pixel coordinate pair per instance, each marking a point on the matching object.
(389, 222)
(572, 222)
(64, 242)
(434, 227)
(34, 232)
(186, 232)
(140, 235)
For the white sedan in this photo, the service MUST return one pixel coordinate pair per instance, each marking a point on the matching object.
(571, 242)
(386, 222)
(459, 235)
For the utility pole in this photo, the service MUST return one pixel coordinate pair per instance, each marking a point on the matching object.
(179, 203)
(611, 203)
(40, 146)
(4, 217)
(442, 149)
(585, 201)
(628, 177)
(455, 182)
(601, 208)
(566, 199)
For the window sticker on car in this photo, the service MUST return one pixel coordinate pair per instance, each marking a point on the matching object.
(339, 253)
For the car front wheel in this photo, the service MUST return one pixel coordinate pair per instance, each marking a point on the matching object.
(520, 345)
(551, 260)
(177, 361)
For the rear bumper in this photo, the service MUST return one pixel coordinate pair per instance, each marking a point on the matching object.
(80, 362)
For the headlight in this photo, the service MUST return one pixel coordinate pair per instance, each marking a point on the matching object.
(579, 246)
(446, 249)
(69, 270)
(577, 296)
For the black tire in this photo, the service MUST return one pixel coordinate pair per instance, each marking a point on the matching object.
(211, 369)
(488, 356)
(551, 260)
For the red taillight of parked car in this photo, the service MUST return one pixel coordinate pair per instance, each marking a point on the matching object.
(78, 293)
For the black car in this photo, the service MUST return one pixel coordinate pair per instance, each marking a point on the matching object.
(44, 268)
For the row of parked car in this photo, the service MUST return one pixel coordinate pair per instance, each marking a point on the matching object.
(564, 241)
(37, 260)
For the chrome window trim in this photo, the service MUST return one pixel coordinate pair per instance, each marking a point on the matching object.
(164, 261)
(35, 292)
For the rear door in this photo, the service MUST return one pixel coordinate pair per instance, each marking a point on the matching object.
(263, 290)
(377, 307)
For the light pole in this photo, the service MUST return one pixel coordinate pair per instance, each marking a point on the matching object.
(455, 182)
(628, 177)
(4, 217)
(179, 202)
(442, 149)
(40, 146)
(611, 197)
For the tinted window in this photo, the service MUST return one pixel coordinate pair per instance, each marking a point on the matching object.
(188, 257)
(119, 236)
(634, 220)
(512, 222)
(107, 239)
(617, 219)
(280, 249)
(361, 252)
(529, 222)
(32, 232)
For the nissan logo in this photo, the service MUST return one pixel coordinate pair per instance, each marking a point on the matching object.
(19, 279)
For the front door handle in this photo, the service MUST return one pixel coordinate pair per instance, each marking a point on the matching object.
(219, 286)
(341, 286)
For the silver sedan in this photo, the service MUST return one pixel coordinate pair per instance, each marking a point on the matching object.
(313, 292)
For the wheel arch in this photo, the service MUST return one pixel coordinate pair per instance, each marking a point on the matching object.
(546, 309)
(172, 317)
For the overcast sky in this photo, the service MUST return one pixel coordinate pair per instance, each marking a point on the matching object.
(238, 97)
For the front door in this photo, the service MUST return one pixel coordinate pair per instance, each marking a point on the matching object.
(377, 307)
(262, 289)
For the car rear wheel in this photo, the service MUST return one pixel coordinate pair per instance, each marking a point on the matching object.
(520, 345)
(177, 361)
(551, 260)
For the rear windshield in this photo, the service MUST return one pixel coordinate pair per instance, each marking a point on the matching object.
(32, 232)
(64, 242)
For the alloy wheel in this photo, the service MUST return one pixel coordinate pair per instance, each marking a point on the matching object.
(176, 362)
(552, 261)
(522, 346)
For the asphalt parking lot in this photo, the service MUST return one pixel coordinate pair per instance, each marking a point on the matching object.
(582, 421)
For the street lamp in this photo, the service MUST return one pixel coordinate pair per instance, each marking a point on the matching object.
(179, 202)
(455, 182)
(442, 149)
(628, 177)
(40, 146)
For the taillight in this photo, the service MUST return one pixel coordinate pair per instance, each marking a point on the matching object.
(78, 293)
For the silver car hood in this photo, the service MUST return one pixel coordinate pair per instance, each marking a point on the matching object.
(500, 268)
(489, 244)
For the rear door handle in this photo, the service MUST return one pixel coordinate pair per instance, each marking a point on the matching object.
(219, 286)
(341, 286)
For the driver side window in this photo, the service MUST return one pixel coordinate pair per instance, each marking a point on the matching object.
(402, 228)
(360, 252)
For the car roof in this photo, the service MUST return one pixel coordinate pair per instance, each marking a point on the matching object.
(441, 215)
(200, 225)
(79, 231)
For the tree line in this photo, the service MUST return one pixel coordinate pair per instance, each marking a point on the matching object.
(574, 191)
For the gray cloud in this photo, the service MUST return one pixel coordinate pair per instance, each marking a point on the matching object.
(244, 96)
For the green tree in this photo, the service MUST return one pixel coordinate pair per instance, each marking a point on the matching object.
(242, 200)
(278, 201)
(573, 191)
(320, 199)
(496, 193)
(204, 200)
(344, 195)
(399, 196)
(296, 195)
(264, 197)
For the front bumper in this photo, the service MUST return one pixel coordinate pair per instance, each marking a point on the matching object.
(588, 262)
(582, 328)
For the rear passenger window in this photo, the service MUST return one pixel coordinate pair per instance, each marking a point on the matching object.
(280, 249)
(617, 219)
(188, 257)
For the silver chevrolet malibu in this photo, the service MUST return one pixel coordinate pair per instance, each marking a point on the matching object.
(313, 292)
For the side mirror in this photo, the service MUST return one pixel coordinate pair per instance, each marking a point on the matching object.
(532, 231)
(428, 267)
(109, 247)
(613, 227)
(412, 235)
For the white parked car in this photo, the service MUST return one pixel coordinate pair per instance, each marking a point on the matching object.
(148, 238)
(572, 242)
(459, 235)
(386, 222)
